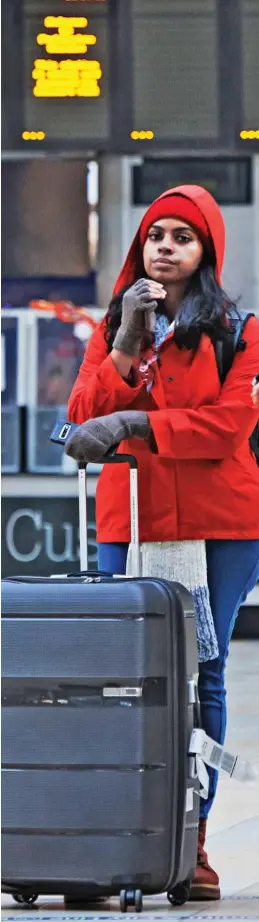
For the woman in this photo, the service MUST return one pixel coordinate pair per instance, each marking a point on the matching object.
(150, 376)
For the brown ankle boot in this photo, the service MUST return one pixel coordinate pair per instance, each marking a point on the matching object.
(205, 885)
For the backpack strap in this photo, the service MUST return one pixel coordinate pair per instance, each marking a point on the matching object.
(225, 349)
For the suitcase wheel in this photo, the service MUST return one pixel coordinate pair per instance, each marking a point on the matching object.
(26, 898)
(180, 894)
(131, 898)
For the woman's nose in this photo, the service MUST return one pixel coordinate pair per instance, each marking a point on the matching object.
(166, 245)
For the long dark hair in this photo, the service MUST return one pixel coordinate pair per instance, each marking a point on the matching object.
(203, 309)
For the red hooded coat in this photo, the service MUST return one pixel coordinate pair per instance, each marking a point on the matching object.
(204, 481)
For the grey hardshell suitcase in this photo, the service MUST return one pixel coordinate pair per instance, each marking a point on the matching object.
(99, 794)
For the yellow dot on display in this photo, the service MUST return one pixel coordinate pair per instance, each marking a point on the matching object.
(142, 135)
(33, 135)
(250, 135)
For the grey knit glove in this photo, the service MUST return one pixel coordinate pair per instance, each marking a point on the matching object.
(138, 315)
(93, 439)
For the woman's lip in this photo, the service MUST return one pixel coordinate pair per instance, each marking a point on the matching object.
(165, 262)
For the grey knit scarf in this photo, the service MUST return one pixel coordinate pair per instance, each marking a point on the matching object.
(182, 561)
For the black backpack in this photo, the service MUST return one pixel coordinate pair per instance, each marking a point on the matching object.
(225, 351)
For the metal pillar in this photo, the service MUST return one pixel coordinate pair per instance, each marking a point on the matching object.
(114, 218)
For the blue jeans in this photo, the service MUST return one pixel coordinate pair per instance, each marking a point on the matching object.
(233, 570)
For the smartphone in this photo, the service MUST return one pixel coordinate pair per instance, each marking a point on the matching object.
(62, 431)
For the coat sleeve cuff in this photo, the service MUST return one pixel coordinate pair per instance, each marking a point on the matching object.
(170, 439)
(123, 393)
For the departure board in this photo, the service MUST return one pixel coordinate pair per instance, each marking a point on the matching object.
(129, 76)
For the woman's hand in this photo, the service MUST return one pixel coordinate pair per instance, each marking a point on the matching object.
(255, 391)
(138, 306)
(92, 440)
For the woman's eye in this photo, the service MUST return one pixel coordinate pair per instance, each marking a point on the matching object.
(155, 236)
(183, 238)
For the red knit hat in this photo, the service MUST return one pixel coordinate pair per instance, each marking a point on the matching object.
(191, 203)
(176, 206)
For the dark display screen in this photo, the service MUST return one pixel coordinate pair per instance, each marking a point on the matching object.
(228, 180)
(175, 68)
(250, 62)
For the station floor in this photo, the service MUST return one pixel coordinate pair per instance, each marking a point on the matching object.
(233, 833)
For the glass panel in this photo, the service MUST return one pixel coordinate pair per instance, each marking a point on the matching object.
(10, 440)
(43, 456)
(9, 359)
(59, 357)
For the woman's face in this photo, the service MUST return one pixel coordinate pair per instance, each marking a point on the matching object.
(172, 251)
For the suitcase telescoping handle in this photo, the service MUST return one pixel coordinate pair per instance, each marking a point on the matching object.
(63, 429)
(110, 458)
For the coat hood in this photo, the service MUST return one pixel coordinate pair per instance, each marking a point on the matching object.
(210, 211)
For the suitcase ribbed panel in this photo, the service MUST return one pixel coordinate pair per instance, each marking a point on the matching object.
(132, 597)
(115, 802)
(106, 735)
(108, 862)
(92, 647)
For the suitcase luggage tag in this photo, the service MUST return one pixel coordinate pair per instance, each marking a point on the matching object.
(208, 752)
(60, 435)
